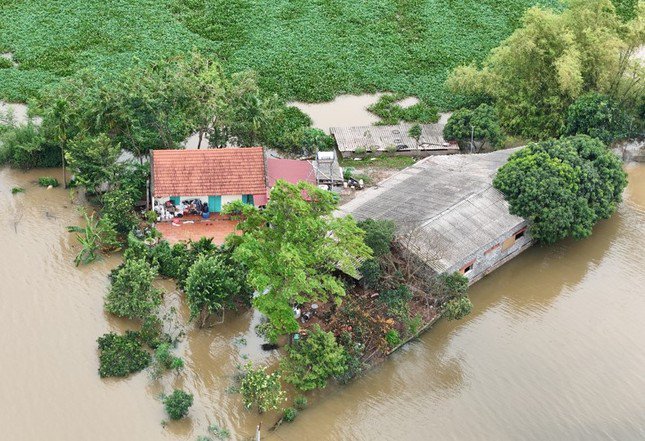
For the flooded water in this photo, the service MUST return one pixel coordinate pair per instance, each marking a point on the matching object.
(553, 350)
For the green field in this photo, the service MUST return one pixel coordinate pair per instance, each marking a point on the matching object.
(309, 50)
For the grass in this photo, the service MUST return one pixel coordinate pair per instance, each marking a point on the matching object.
(381, 161)
(310, 50)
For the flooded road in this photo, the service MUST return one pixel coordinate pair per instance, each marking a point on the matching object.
(554, 349)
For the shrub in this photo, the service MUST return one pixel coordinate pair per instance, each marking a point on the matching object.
(300, 402)
(16, 190)
(457, 308)
(121, 355)
(392, 113)
(354, 357)
(23, 147)
(152, 331)
(396, 301)
(392, 337)
(118, 205)
(46, 181)
(165, 359)
(371, 272)
(132, 294)
(177, 404)
(290, 414)
(261, 389)
(5, 63)
(482, 123)
(219, 432)
(562, 187)
(97, 234)
(312, 361)
(360, 151)
(456, 284)
(379, 235)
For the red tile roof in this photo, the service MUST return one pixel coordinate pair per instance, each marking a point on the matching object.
(228, 171)
(290, 170)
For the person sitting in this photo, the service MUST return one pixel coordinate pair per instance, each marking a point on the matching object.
(205, 207)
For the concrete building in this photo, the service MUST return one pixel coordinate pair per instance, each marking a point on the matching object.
(448, 214)
(393, 139)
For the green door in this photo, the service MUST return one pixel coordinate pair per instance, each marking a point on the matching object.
(174, 200)
(215, 204)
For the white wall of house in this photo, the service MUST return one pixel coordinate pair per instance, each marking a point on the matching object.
(225, 199)
(230, 198)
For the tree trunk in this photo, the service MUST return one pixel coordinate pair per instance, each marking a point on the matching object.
(62, 155)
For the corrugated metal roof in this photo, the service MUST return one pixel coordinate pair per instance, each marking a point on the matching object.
(446, 203)
(290, 170)
(228, 171)
(380, 138)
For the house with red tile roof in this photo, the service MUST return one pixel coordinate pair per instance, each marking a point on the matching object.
(212, 176)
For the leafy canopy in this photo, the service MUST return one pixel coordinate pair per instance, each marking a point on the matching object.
(313, 360)
(482, 123)
(132, 294)
(598, 116)
(177, 404)
(261, 389)
(293, 250)
(552, 59)
(121, 355)
(562, 187)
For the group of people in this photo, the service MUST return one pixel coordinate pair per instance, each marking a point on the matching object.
(169, 210)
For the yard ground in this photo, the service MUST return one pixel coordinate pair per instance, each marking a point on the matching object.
(372, 170)
(194, 228)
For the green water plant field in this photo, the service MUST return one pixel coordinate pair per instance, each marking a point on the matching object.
(309, 50)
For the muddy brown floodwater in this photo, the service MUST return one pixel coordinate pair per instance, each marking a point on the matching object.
(554, 349)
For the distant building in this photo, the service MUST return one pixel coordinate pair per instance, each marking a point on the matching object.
(215, 176)
(448, 214)
(290, 170)
(394, 139)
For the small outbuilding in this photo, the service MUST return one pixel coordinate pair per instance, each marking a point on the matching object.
(290, 170)
(448, 214)
(392, 139)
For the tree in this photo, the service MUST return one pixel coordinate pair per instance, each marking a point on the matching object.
(177, 404)
(121, 355)
(132, 294)
(97, 234)
(480, 124)
(93, 159)
(261, 389)
(312, 361)
(457, 308)
(562, 187)
(551, 60)
(293, 250)
(118, 206)
(58, 122)
(379, 235)
(23, 146)
(210, 287)
(598, 116)
(415, 133)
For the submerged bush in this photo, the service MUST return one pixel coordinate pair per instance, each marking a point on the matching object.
(46, 181)
(261, 389)
(290, 414)
(393, 338)
(177, 404)
(121, 355)
(300, 402)
(132, 294)
(457, 308)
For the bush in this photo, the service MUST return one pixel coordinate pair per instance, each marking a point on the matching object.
(354, 351)
(118, 205)
(392, 113)
(482, 123)
(457, 308)
(379, 235)
(290, 414)
(16, 190)
(261, 389)
(455, 283)
(300, 402)
(121, 355)
(177, 404)
(312, 361)
(393, 338)
(165, 359)
(562, 187)
(132, 294)
(23, 147)
(152, 332)
(5, 63)
(371, 272)
(46, 181)
(397, 301)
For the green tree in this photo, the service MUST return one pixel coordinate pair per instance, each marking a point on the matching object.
(482, 124)
(97, 234)
(261, 389)
(562, 187)
(598, 116)
(415, 133)
(313, 360)
(293, 250)
(118, 206)
(457, 308)
(23, 146)
(210, 287)
(121, 355)
(379, 235)
(551, 60)
(93, 160)
(177, 404)
(132, 294)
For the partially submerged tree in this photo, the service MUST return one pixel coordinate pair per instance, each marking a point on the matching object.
(132, 294)
(260, 389)
(293, 250)
(93, 159)
(562, 187)
(312, 361)
(98, 234)
(481, 125)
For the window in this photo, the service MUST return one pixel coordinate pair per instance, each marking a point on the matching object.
(468, 267)
(247, 199)
(520, 234)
